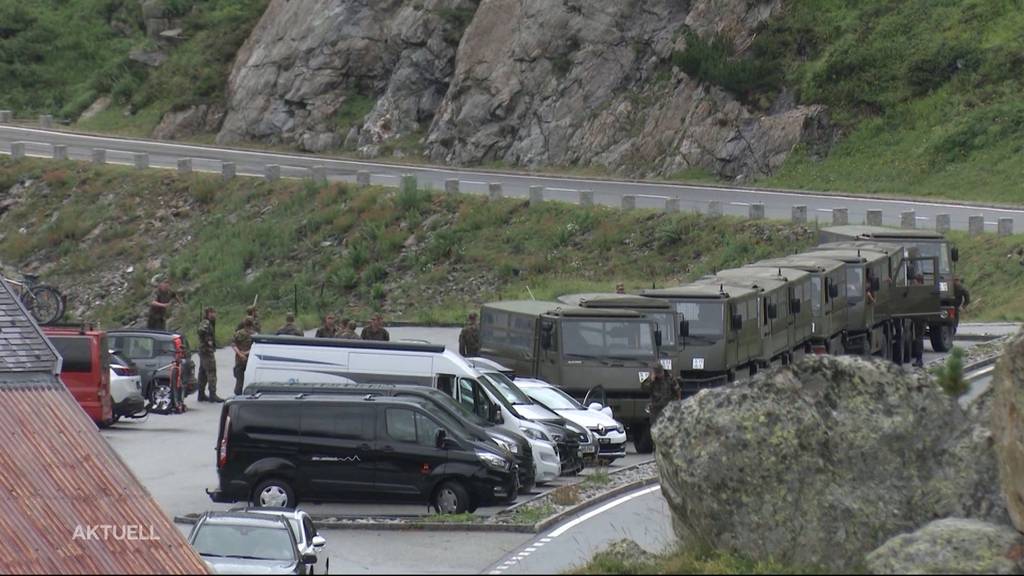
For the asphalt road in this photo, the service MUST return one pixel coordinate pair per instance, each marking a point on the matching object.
(778, 204)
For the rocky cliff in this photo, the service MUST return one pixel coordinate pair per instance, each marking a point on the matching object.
(522, 82)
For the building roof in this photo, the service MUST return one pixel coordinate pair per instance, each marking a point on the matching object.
(68, 504)
(23, 348)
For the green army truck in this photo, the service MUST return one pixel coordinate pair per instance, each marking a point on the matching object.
(828, 298)
(719, 332)
(578, 349)
(942, 321)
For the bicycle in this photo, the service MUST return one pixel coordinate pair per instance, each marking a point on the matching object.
(44, 302)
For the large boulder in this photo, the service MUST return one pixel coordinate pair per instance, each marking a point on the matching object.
(819, 463)
(1008, 426)
(951, 546)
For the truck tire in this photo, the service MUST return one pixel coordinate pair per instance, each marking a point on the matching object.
(644, 443)
(941, 336)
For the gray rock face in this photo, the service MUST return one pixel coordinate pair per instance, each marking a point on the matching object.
(202, 119)
(532, 82)
(951, 546)
(819, 463)
(1008, 426)
(310, 64)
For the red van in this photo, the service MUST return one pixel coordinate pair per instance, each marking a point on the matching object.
(86, 368)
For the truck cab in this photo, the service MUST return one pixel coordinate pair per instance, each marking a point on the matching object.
(658, 311)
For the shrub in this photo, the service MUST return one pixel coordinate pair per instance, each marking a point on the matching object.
(951, 374)
(714, 61)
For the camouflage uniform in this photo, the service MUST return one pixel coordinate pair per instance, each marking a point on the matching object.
(326, 332)
(207, 362)
(469, 340)
(371, 333)
(289, 329)
(242, 341)
(256, 327)
(157, 319)
(663, 389)
(348, 334)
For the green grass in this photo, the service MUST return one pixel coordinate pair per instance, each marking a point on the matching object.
(114, 121)
(464, 518)
(532, 514)
(685, 562)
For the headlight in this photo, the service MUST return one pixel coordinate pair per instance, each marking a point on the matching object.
(510, 447)
(492, 460)
(534, 434)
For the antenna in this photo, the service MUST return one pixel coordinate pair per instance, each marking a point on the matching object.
(532, 297)
(721, 288)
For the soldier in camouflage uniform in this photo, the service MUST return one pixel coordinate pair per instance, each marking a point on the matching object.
(327, 329)
(241, 344)
(663, 389)
(349, 331)
(289, 328)
(250, 312)
(207, 362)
(469, 338)
(157, 318)
(376, 331)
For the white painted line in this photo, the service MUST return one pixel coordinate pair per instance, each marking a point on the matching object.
(823, 209)
(545, 540)
(538, 544)
(572, 524)
(474, 182)
(531, 549)
(920, 217)
(564, 189)
(991, 223)
(385, 175)
(739, 203)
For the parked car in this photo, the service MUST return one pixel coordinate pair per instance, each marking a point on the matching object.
(125, 388)
(154, 352)
(276, 450)
(85, 369)
(247, 543)
(610, 433)
(306, 536)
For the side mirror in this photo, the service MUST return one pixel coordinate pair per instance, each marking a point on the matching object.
(876, 284)
(954, 254)
(684, 328)
(319, 541)
(773, 311)
(795, 305)
(833, 291)
(439, 437)
(309, 559)
(657, 338)
(495, 414)
(595, 406)
(737, 322)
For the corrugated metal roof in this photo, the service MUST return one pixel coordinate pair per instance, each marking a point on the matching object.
(23, 348)
(59, 478)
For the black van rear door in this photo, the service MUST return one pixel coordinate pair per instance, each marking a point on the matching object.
(337, 448)
(407, 452)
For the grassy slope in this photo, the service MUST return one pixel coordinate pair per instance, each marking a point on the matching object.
(684, 562)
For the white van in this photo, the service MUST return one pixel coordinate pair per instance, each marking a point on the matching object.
(297, 360)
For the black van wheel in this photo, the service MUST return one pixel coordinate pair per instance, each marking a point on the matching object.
(451, 498)
(273, 493)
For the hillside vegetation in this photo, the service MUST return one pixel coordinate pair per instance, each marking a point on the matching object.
(106, 234)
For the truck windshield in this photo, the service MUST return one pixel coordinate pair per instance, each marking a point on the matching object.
(854, 284)
(938, 250)
(665, 322)
(616, 339)
(706, 318)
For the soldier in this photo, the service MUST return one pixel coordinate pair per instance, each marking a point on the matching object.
(961, 297)
(349, 331)
(207, 362)
(663, 389)
(376, 331)
(469, 338)
(157, 319)
(620, 288)
(327, 329)
(250, 312)
(919, 328)
(241, 344)
(289, 328)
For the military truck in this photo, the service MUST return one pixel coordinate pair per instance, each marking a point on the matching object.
(577, 349)
(828, 298)
(941, 322)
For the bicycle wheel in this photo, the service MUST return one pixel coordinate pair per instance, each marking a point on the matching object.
(48, 306)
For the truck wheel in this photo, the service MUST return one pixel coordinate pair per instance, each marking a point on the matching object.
(273, 493)
(644, 443)
(941, 336)
(451, 498)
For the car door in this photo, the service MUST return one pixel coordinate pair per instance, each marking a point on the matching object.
(142, 351)
(312, 538)
(337, 455)
(407, 454)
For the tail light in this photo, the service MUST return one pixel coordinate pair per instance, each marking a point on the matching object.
(124, 370)
(222, 453)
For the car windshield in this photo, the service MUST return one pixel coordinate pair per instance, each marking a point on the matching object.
(614, 339)
(854, 284)
(553, 398)
(509, 391)
(706, 319)
(245, 541)
(938, 250)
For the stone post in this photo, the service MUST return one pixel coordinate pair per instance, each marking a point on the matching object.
(536, 195)
(671, 205)
(272, 172)
(714, 208)
(757, 211)
(975, 225)
(184, 166)
(840, 216)
(99, 156)
(140, 160)
(908, 219)
(60, 152)
(363, 178)
(1005, 227)
(318, 174)
(874, 218)
(586, 197)
(800, 214)
(17, 150)
(46, 121)
(628, 202)
(494, 191)
(228, 170)
(942, 223)
(5, 116)
(451, 186)
(409, 184)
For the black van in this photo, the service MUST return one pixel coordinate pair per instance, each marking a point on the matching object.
(443, 406)
(275, 450)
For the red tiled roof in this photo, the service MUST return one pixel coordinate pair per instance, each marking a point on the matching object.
(59, 478)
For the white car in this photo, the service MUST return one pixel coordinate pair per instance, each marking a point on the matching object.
(125, 388)
(308, 539)
(610, 433)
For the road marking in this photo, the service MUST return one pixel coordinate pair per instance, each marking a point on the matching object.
(739, 203)
(563, 189)
(450, 171)
(474, 182)
(823, 209)
(920, 217)
(531, 549)
(545, 540)
(574, 523)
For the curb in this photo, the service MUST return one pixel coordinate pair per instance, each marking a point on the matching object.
(557, 518)
(519, 505)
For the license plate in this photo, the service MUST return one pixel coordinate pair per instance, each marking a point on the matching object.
(587, 449)
(604, 440)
